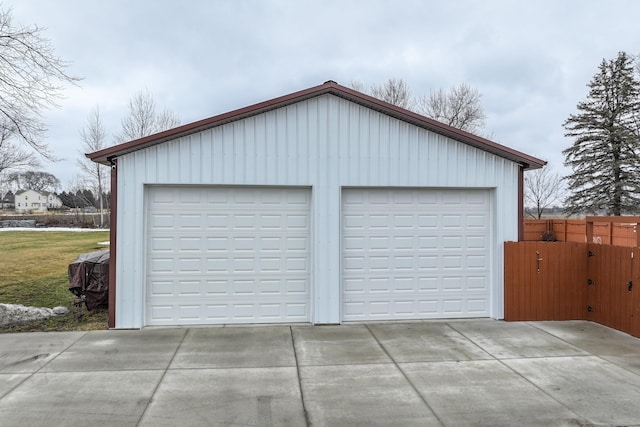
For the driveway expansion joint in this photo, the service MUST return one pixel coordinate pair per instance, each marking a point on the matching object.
(295, 355)
(155, 390)
(413, 386)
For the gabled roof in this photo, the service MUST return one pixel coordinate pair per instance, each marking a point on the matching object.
(106, 155)
(40, 192)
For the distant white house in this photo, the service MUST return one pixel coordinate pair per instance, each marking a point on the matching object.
(36, 201)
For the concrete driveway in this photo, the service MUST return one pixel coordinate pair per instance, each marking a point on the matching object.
(452, 373)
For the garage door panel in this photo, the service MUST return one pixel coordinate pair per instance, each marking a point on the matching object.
(160, 221)
(188, 265)
(162, 288)
(189, 197)
(378, 263)
(353, 263)
(225, 255)
(353, 286)
(159, 265)
(216, 222)
(427, 262)
(478, 242)
(163, 313)
(429, 308)
(477, 222)
(452, 242)
(476, 199)
(161, 244)
(477, 305)
(451, 262)
(451, 222)
(405, 285)
(297, 222)
(292, 244)
(354, 221)
(186, 222)
(189, 244)
(429, 221)
(189, 287)
(415, 253)
(452, 306)
(476, 262)
(428, 284)
(477, 283)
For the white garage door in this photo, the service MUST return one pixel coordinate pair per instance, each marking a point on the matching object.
(227, 255)
(415, 254)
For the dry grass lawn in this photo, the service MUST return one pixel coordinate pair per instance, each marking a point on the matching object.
(33, 266)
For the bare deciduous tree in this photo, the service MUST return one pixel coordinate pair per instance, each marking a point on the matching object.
(35, 180)
(93, 137)
(459, 107)
(31, 80)
(542, 188)
(356, 85)
(394, 91)
(144, 120)
(12, 155)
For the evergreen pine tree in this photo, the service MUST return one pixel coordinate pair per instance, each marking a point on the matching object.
(604, 156)
(88, 198)
(65, 199)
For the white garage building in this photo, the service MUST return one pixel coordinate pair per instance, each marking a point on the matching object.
(322, 206)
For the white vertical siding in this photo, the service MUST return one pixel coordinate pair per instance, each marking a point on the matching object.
(325, 143)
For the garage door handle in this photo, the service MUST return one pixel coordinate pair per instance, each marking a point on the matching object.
(538, 261)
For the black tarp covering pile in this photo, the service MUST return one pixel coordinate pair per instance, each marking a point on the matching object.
(89, 277)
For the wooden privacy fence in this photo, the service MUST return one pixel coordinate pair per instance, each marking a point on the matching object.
(619, 231)
(573, 281)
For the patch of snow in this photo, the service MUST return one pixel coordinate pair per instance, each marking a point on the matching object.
(60, 310)
(53, 229)
(11, 314)
(107, 243)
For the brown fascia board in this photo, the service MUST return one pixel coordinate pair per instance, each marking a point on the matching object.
(106, 155)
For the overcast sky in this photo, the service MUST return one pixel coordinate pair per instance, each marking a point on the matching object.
(530, 60)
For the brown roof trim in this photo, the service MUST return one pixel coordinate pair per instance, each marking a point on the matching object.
(330, 87)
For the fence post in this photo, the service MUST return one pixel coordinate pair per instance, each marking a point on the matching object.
(589, 225)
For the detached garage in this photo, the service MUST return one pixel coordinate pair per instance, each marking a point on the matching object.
(323, 206)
